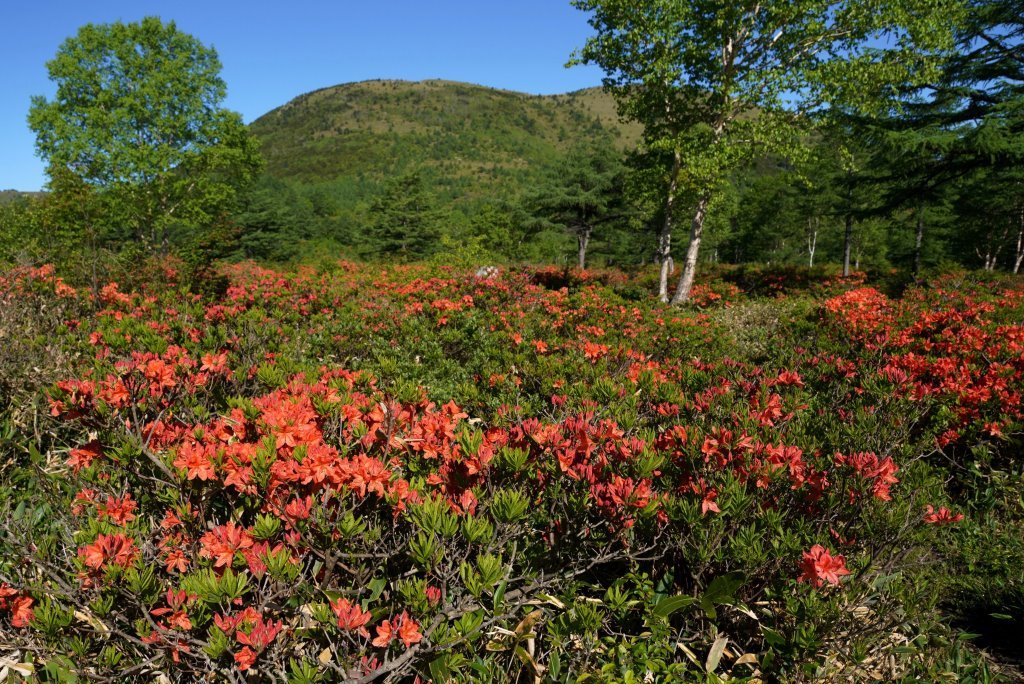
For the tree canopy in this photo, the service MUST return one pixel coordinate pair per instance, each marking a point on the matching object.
(583, 193)
(137, 114)
(719, 84)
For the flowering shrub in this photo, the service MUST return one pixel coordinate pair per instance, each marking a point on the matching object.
(379, 475)
(820, 567)
(947, 348)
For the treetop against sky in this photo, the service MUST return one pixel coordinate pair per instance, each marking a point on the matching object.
(272, 52)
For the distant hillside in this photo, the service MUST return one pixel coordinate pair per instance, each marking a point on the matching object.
(470, 137)
(11, 195)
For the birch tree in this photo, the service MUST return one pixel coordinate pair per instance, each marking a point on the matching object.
(718, 84)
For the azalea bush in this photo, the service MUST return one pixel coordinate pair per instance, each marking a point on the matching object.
(357, 474)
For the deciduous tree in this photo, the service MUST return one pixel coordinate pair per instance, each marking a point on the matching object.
(718, 84)
(138, 116)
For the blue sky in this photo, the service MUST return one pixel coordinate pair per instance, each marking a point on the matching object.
(273, 51)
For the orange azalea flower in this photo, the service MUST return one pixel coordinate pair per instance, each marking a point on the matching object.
(170, 521)
(239, 477)
(196, 461)
(215, 363)
(820, 566)
(592, 352)
(298, 509)
(114, 392)
(83, 456)
(116, 549)
(221, 543)
(409, 630)
(367, 475)
(385, 632)
(160, 376)
(180, 620)
(261, 634)
(245, 658)
(350, 616)
(881, 472)
(176, 601)
(120, 511)
(404, 627)
(708, 502)
(21, 611)
(943, 516)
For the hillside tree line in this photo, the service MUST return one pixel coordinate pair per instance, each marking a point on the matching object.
(861, 135)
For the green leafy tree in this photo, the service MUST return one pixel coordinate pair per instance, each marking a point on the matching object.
(74, 212)
(720, 84)
(138, 116)
(21, 219)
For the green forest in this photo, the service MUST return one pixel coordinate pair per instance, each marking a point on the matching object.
(712, 373)
(923, 177)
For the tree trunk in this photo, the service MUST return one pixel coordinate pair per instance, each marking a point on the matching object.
(986, 258)
(582, 240)
(918, 239)
(993, 247)
(847, 244)
(665, 239)
(693, 249)
(1020, 241)
(812, 239)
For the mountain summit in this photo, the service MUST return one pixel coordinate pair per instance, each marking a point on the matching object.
(480, 136)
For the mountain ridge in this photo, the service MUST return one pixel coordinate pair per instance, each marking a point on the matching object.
(476, 136)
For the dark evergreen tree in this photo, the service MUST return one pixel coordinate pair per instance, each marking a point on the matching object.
(964, 131)
(585, 193)
(269, 222)
(405, 221)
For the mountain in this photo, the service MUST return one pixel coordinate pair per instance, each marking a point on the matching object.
(469, 138)
(14, 195)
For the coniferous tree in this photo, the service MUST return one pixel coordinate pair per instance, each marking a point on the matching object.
(405, 221)
(584, 194)
(268, 221)
(962, 134)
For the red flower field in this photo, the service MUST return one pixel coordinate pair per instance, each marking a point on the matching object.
(362, 474)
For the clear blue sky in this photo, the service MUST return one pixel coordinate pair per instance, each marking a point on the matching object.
(273, 51)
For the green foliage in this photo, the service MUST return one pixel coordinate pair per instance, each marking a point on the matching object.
(138, 117)
(478, 151)
(405, 222)
(476, 138)
(584, 194)
(527, 472)
(721, 87)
